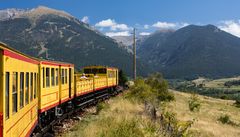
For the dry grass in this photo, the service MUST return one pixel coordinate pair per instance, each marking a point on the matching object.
(120, 115)
(120, 111)
(206, 121)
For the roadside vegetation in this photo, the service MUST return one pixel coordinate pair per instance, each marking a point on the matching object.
(150, 109)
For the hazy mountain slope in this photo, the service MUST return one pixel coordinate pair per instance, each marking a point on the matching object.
(44, 32)
(196, 51)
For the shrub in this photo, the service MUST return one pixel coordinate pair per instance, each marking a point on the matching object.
(194, 103)
(122, 78)
(159, 87)
(237, 103)
(175, 127)
(139, 91)
(225, 119)
(224, 97)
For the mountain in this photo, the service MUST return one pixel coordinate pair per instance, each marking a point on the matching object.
(127, 41)
(10, 13)
(56, 35)
(193, 51)
(148, 48)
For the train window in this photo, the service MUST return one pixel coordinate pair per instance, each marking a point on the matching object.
(66, 76)
(21, 89)
(47, 77)
(43, 74)
(7, 95)
(31, 86)
(52, 76)
(72, 75)
(14, 92)
(87, 71)
(35, 85)
(27, 89)
(56, 76)
(62, 76)
(102, 71)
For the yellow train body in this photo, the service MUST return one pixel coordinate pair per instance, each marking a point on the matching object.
(83, 85)
(30, 87)
(19, 100)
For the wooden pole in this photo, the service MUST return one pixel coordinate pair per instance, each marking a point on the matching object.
(134, 55)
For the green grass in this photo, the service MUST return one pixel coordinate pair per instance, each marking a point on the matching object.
(121, 117)
(206, 121)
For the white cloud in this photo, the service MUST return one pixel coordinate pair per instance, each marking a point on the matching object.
(144, 33)
(112, 24)
(85, 19)
(106, 23)
(121, 33)
(120, 27)
(231, 26)
(169, 25)
(183, 24)
(146, 26)
(164, 25)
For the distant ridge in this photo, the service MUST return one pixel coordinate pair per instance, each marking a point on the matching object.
(193, 51)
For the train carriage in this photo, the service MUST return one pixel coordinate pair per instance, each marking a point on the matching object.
(104, 77)
(67, 82)
(57, 84)
(83, 84)
(35, 91)
(18, 96)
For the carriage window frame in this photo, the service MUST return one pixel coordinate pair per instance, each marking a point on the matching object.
(66, 76)
(52, 76)
(21, 89)
(47, 77)
(14, 92)
(62, 76)
(7, 95)
(57, 75)
(35, 86)
(27, 88)
(43, 74)
(31, 86)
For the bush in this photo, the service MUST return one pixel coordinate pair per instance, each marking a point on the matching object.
(122, 78)
(153, 89)
(159, 87)
(237, 103)
(194, 103)
(225, 119)
(224, 97)
(139, 90)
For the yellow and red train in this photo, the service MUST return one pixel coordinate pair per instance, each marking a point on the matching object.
(34, 91)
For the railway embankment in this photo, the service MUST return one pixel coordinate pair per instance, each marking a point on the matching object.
(150, 109)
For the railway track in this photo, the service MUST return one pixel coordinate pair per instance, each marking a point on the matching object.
(80, 105)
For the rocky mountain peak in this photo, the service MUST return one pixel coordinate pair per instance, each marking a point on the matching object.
(35, 13)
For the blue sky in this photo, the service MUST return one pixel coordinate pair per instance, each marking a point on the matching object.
(120, 16)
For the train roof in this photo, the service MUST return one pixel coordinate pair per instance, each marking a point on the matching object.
(99, 67)
(21, 56)
(56, 63)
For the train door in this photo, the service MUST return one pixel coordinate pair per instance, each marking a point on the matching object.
(70, 82)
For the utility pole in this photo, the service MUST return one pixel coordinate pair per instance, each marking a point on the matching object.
(134, 55)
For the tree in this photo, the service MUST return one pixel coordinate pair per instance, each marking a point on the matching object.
(122, 78)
